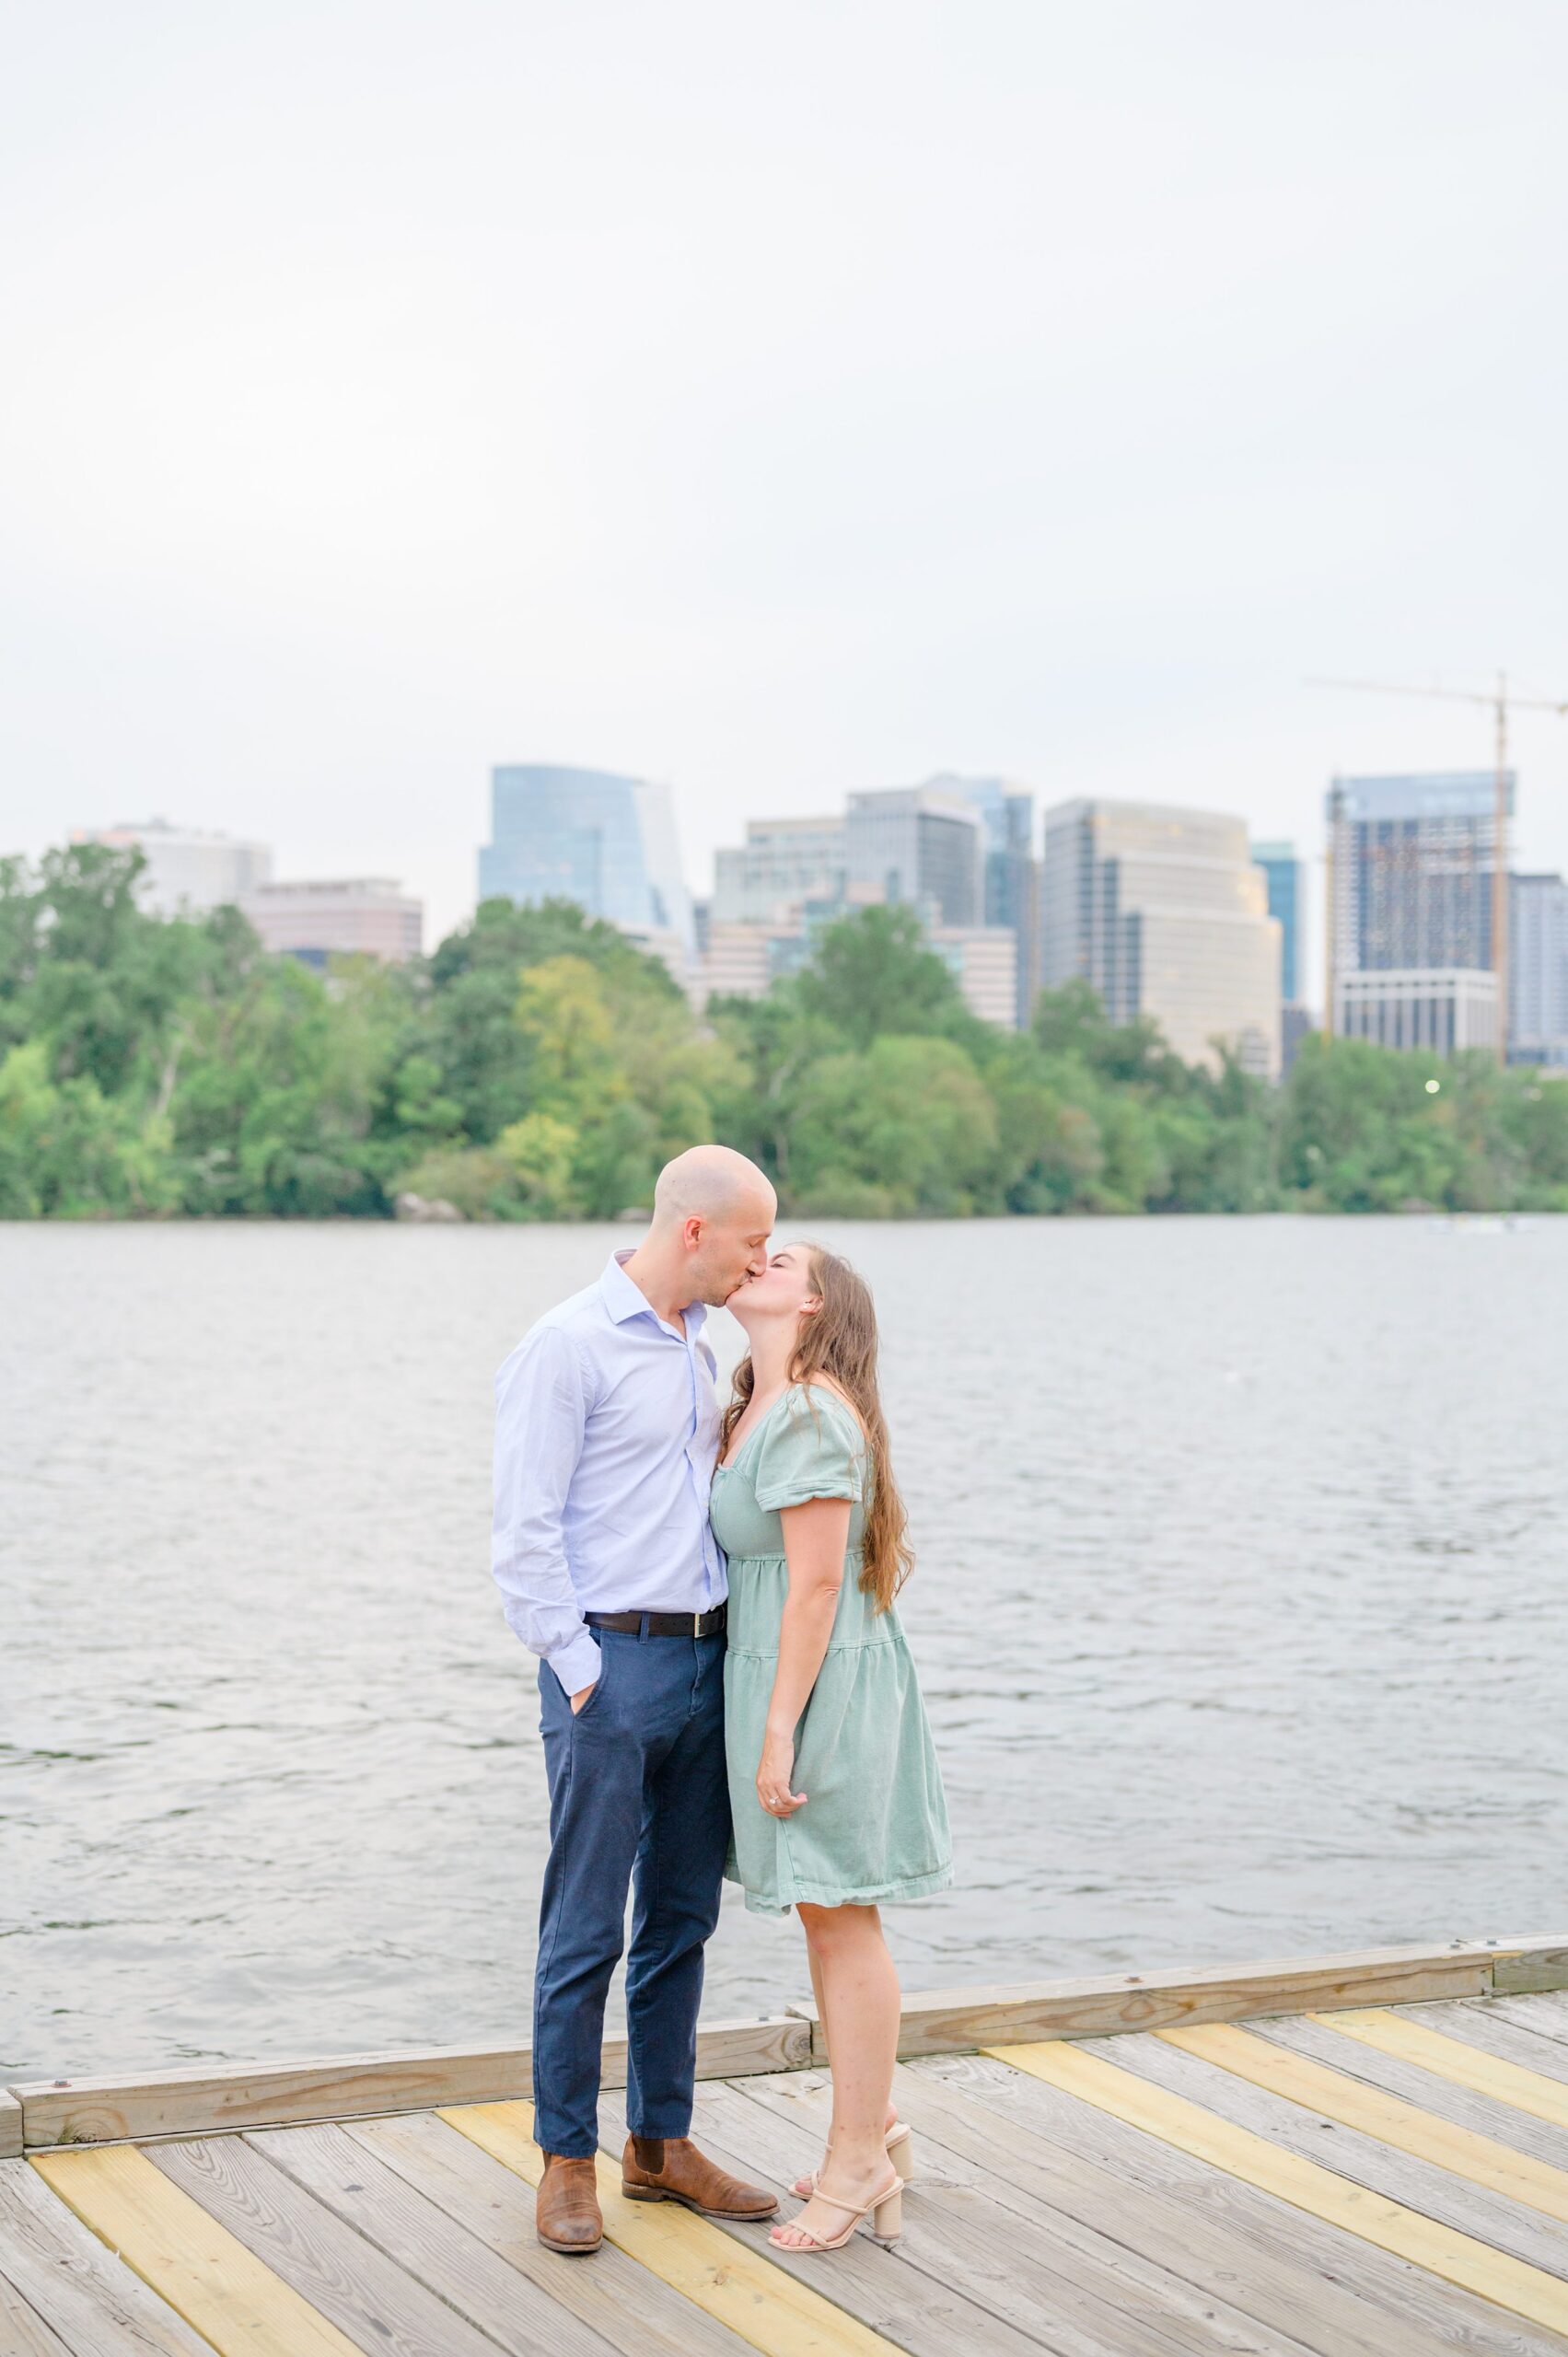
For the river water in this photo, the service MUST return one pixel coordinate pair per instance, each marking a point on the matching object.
(1240, 1611)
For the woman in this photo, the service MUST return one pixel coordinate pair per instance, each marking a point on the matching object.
(834, 1789)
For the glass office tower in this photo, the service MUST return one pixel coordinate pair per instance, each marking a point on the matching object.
(1413, 864)
(1285, 878)
(1011, 873)
(1412, 870)
(921, 844)
(1163, 911)
(607, 843)
(1537, 987)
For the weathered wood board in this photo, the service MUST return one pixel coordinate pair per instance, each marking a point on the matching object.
(203, 2100)
(950, 2021)
(1215, 2174)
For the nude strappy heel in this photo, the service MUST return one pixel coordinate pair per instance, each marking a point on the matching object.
(885, 2210)
(900, 2152)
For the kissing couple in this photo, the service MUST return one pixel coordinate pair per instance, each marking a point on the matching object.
(724, 1687)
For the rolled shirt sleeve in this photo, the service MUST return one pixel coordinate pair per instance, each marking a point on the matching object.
(541, 1407)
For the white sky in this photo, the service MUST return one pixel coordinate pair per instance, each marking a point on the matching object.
(774, 401)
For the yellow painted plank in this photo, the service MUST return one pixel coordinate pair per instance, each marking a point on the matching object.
(1463, 2152)
(1459, 2259)
(222, 2289)
(1451, 2058)
(715, 2271)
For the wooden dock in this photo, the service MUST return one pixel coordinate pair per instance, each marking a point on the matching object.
(1375, 2166)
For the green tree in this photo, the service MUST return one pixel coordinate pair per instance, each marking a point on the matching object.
(540, 1066)
(905, 1125)
(872, 974)
(1359, 1131)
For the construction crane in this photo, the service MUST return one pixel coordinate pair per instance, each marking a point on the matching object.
(1501, 702)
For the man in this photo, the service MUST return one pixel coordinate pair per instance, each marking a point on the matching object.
(607, 1435)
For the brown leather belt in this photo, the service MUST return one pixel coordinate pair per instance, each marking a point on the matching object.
(661, 1624)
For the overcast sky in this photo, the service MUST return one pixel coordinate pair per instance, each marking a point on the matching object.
(774, 401)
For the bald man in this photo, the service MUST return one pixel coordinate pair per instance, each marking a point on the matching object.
(606, 1438)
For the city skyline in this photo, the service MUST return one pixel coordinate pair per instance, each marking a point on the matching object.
(1536, 821)
(1536, 818)
(1163, 908)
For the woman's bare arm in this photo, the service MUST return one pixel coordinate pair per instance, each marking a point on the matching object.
(816, 1535)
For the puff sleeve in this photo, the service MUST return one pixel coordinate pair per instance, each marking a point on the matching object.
(812, 1448)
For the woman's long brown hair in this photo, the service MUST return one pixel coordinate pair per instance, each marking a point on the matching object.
(839, 1341)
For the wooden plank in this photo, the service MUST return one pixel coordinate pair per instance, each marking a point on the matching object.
(950, 2021)
(1270, 2278)
(1373, 2112)
(1544, 2015)
(95, 2305)
(23, 2332)
(416, 2159)
(1507, 2281)
(1485, 2024)
(10, 2125)
(1532, 1964)
(1006, 2243)
(199, 2100)
(1410, 2050)
(924, 2313)
(205, 2275)
(1396, 2297)
(760, 2301)
(1476, 2210)
(352, 2282)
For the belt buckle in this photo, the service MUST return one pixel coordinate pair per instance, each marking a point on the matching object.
(696, 1624)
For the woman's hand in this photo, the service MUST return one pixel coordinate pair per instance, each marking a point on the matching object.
(774, 1776)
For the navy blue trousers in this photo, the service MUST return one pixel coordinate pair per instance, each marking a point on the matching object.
(638, 1801)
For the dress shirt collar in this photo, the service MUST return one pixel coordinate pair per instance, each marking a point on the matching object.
(624, 1297)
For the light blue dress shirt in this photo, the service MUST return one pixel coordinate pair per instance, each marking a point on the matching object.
(606, 1432)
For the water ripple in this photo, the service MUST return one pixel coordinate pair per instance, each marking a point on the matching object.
(1240, 1611)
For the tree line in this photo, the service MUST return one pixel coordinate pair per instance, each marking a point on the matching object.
(538, 1066)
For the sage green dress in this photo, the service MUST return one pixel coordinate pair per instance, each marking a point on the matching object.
(875, 1822)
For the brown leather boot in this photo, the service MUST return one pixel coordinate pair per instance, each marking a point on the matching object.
(566, 2207)
(670, 2168)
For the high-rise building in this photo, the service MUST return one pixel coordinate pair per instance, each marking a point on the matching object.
(1011, 879)
(1443, 1009)
(1411, 864)
(782, 862)
(923, 845)
(604, 841)
(1537, 962)
(1163, 911)
(187, 870)
(322, 918)
(1284, 877)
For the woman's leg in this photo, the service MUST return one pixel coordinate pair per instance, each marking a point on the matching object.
(803, 2185)
(857, 1995)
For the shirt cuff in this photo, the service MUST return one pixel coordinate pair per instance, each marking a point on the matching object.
(576, 1662)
